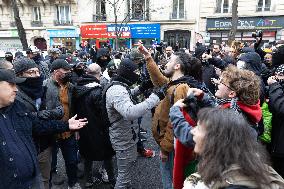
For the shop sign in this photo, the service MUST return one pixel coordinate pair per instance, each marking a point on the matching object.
(10, 44)
(144, 31)
(9, 33)
(63, 33)
(124, 31)
(246, 23)
(94, 31)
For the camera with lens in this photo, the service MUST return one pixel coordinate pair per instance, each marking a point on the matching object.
(256, 34)
(159, 47)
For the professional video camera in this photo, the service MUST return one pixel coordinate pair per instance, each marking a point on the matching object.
(256, 34)
(159, 47)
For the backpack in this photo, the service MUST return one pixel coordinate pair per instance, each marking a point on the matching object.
(104, 110)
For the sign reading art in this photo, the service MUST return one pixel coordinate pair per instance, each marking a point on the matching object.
(246, 23)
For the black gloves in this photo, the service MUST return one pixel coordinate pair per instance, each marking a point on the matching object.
(44, 114)
(161, 91)
(145, 85)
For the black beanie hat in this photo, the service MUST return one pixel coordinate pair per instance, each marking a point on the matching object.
(23, 64)
(126, 70)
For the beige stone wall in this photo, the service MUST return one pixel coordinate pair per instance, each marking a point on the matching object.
(48, 16)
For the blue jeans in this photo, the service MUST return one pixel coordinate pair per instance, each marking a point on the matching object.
(69, 151)
(166, 169)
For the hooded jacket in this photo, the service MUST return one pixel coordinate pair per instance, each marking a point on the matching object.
(123, 114)
(94, 142)
(103, 52)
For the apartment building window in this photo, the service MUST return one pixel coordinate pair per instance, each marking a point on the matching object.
(63, 14)
(263, 5)
(222, 6)
(138, 9)
(36, 14)
(100, 11)
(178, 9)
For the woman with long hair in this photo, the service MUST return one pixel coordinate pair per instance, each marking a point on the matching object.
(229, 154)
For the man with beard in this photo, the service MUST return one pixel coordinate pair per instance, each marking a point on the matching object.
(34, 53)
(31, 94)
(176, 77)
(123, 114)
(60, 91)
(169, 52)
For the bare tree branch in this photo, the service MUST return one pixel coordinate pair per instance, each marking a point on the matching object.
(19, 24)
(235, 18)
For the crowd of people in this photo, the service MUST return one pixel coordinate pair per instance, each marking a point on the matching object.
(217, 115)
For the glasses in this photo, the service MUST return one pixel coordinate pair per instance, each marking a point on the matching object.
(220, 81)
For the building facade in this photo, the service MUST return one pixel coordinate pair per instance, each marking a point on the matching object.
(149, 21)
(266, 15)
(47, 23)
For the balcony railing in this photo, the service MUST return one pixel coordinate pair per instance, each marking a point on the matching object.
(63, 22)
(99, 17)
(261, 8)
(36, 23)
(139, 16)
(178, 16)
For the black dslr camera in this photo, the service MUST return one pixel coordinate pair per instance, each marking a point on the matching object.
(256, 34)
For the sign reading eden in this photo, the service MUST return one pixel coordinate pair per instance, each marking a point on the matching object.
(252, 23)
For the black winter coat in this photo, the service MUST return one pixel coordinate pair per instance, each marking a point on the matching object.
(208, 72)
(276, 106)
(94, 142)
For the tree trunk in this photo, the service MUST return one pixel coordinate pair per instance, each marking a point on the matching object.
(233, 31)
(19, 24)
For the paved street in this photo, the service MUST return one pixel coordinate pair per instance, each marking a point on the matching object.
(147, 171)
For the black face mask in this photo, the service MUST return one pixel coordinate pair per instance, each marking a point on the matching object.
(32, 87)
(66, 78)
(37, 58)
(79, 72)
(9, 58)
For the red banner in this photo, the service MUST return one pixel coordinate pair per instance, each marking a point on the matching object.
(94, 31)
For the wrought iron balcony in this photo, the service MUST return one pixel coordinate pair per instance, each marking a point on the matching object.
(36, 23)
(63, 22)
(99, 17)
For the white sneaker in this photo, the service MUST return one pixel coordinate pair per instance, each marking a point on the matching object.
(103, 172)
(76, 186)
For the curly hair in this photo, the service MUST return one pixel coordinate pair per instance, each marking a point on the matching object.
(229, 140)
(244, 82)
(189, 65)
